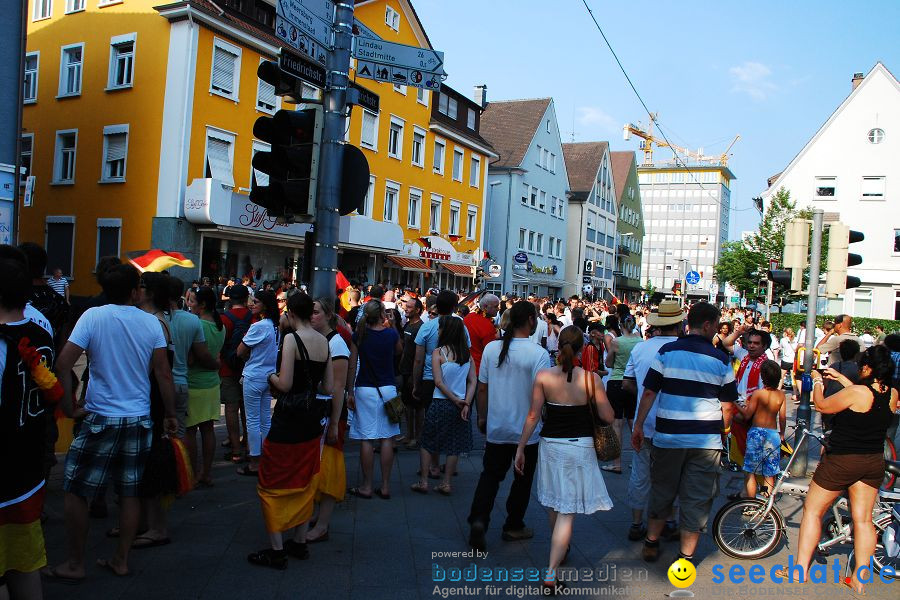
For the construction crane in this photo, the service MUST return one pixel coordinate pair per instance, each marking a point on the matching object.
(648, 140)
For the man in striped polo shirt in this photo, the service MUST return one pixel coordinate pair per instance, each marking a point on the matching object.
(59, 283)
(693, 385)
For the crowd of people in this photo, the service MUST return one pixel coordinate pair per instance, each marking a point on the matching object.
(296, 377)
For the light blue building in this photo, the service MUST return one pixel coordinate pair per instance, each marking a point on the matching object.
(525, 224)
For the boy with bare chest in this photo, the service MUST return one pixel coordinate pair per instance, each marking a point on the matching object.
(764, 407)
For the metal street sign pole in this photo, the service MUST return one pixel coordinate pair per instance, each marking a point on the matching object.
(332, 155)
(804, 411)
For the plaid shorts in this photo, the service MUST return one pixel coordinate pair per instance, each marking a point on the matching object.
(107, 447)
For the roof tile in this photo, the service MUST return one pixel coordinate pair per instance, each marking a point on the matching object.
(510, 126)
(582, 163)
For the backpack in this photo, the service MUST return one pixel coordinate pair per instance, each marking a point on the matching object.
(229, 350)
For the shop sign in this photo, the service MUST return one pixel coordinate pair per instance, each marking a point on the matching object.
(530, 267)
(434, 254)
(435, 247)
(207, 202)
(521, 258)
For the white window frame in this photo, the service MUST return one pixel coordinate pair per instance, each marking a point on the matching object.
(224, 136)
(422, 96)
(452, 108)
(57, 157)
(72, 6)
(475, 171)
(115, 43)
(822, 181)
(874, 192)
(236, 75)
(471, 221)
(262, 87)
(63, 67)
(392, 18)
(43, 14)
(462, 155)
(558, 247)
(70, 219)
(262, 179)
(414, 217)
(30, 154)
(443, 145)
(391, 187)
(531, 240)
(108, 224)
(400, 88)
(523, 233)
(373, 145)
(863, 295)
(539, 244)
(397, 150)
(471, 119)
(412, 151)
(434, 216)
(542, 201)
(453, 226)
(109, 130)
(34, 75)
(369, 204)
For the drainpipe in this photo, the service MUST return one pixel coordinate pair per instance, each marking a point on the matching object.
(506, 244)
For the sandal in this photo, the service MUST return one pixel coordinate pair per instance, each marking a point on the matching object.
(316, 540)
(419, 487)
(609, 469)
(444, 489)
(276, 559)
(380, 494)
(783, 573)
(355, 492)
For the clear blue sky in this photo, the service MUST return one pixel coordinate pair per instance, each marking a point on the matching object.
(770, 71)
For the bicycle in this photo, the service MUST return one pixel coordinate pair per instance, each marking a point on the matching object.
(751, 528)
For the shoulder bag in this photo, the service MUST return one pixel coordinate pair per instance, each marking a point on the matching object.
(392, 406)
(606, 444)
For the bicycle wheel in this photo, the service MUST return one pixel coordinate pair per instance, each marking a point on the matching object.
(740, 530)
(880, 558)
(890, 453)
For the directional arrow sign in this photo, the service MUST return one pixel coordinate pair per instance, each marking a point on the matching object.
(298, 20)
(693, 277)
(398, 55)
(299, 41)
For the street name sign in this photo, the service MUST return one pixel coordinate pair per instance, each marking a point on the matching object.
(302, 68)
(398, 55)
(290, 35)
(693, 277)
(366, 98)
(304, 20)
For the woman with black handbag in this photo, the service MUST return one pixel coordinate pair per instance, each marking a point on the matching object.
(375, 344)
(569, 480)
(289, 463)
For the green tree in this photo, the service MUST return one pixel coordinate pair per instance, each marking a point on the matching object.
(650, 289)
(738, 265)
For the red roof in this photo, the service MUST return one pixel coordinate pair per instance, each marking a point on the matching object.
(411, 264)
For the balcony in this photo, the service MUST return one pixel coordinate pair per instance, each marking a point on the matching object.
(622, 251)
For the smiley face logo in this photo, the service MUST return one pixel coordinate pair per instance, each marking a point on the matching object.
(682, 573)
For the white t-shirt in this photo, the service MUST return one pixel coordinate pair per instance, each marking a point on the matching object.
(509, 387)
(119, 341)
(787, 350)
(37, 317)
(638, 365)
(540, 332)
(262, 339)
(337, 349)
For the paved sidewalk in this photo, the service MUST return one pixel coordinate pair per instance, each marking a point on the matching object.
(388, 549)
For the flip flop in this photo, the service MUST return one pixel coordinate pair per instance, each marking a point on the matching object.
(609, 469)
(381, 494)
(419, 488)
(51, 575)
(444, 490)
(355, 492)
(105, 564)
(150, 543)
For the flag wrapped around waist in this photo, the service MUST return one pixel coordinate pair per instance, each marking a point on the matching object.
(155, 260)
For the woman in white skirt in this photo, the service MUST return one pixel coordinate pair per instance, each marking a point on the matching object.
(375, 343)
(569, 480)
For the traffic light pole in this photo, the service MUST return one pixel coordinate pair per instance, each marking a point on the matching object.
(325, 253)
(804, 411)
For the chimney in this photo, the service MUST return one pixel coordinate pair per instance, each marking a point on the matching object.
(480, 95)
(857, 79)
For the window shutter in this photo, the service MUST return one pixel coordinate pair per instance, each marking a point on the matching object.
(368, 129)
(223, 70)
(116, 145)
(265, 95)
(219, 161)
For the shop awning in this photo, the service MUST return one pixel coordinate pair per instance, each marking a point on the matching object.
(410, 264)
(458, 269)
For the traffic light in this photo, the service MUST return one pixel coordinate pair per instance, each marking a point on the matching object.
(839, 239)
(796, 255)
(292, 163)
(676, 288)
(780, 277)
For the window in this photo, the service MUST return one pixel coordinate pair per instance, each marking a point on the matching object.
(226, 69)
(559, 211)
(366, 209)
(418, 147)
(457, 164)
(526, 192)
(415, 208)
(533, 197)
(422, 96)
(31, 77)
(121, 61)
(551, 162)
(551, 246)
(74, 6)
(27, 152)
(392, 18)
(548, 125)
(400, 89)
(70, 70)
(539, 247)
(558, 248)
(451, 108)
(662, 177)
(862, 303)
(220, 156)
(873, 188)
(531, 241)
(115, 151)
(266, 100)
(369, 135)
(825, 187)
(471, 222)
(64, 156)
(522, 234)
(434, 222)
(442, 103)
(475, 171)
(896, 238)
(60, 242)
(391, 193)
(453, 229)
(395, 138)
(470, 119)
(43, 9)
(109, 237)
(438, 162)
(257, 177)
(553, 206)
(542, 202)
(875, 136)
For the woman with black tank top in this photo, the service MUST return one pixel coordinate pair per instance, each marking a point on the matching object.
(854, 459)
(569, 480)
(289, 463)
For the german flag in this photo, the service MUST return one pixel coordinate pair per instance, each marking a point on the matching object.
(342, 288)
(154, 261)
